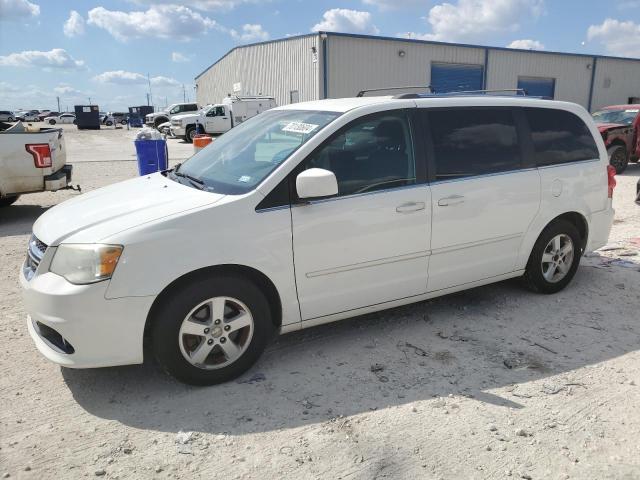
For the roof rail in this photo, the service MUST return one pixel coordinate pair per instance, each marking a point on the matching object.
(517, 91)
(362, 92)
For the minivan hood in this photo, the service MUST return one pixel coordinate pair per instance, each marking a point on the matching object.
(185, 115)
(93, 216)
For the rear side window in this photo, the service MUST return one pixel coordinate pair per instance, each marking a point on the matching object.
(559, 137)
(469, 142)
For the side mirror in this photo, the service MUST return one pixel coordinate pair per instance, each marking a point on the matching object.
(316, 182)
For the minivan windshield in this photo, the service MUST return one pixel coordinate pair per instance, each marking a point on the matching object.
(236, 162)
(624, 117)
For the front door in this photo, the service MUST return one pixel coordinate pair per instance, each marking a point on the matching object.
(217, 120)
(369, 244)
(483, 198)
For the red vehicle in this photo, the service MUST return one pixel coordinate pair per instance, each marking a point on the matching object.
(619, 126)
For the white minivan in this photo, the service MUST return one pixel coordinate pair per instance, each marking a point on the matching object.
(311, 213)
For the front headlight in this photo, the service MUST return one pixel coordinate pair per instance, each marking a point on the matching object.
(82, 264)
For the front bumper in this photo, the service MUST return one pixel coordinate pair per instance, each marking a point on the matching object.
(76, 326)
(58, 180)
(177, 131)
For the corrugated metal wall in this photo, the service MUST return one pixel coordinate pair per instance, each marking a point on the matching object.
(358, 63)
(572, 75)
(272, 68)
(615, 82)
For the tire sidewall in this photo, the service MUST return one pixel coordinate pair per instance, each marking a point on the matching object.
(534, 266)
(189, 134)
(176, 306)
(612, 151)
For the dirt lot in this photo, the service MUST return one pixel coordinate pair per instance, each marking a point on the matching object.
(495, 382)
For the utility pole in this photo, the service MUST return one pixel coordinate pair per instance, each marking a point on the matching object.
(184, 94)
(148, 100)
(149, 82)
(89, 100)
(58, 98)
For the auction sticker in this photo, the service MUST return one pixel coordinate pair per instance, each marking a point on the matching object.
(299, 127)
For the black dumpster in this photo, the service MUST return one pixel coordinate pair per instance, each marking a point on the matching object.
(87, 117)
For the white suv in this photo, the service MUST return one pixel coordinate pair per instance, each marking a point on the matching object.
(311, 213)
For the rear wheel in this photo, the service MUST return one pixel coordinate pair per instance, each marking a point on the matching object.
(212, 330)
(554, 259)
(618, 158)
(10, 119)
(9, 200)
(52, 122)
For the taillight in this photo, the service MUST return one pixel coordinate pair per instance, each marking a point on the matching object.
(41, 153)
(611, 177)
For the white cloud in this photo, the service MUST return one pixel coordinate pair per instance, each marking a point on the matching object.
(18, 9)
(174, 22)
(250, 33)
(57, 58)
(122, 77)
(344, 20)
(178, 57)
(618, 38)
(391, 4)
(526, 44)
(68, 91)
(474, 20)
(74, 26)
(161, 81)
(209, 5)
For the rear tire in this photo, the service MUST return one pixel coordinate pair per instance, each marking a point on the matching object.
(554, 258)
(618, 158)
(52, 122)
(7, 201)
(193, 308)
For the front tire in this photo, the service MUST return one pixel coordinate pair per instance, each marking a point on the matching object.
(211, 330)
(554, 259)
(618, 158)
(190, 134)
(52, 122)
(10, 119)
(9, 200)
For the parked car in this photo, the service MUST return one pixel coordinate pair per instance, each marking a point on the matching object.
(383, 201)
(63, 118)
(220, 118)
(31, 161)
(47, 113)
(158, 118)
(7, 116)
(28, 116)
(620, 129)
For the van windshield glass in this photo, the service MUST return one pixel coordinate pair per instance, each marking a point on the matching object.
(236, 162)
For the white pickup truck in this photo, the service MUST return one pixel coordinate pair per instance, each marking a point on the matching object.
(32, 159)
(158, 118)
(221, 117)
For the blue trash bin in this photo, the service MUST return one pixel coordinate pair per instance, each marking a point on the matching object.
(152, 156)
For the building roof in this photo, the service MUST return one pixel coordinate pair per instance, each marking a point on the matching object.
(412, 40)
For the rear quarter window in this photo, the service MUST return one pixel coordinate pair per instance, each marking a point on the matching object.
(559, 137)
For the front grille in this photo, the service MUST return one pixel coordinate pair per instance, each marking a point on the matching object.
(35, 252)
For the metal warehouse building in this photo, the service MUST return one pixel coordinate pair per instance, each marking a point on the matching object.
(333, 65)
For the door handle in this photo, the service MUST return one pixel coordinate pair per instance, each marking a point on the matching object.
(410, 207)
(452, 200)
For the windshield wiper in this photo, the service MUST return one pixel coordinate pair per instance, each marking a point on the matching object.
(196, 182)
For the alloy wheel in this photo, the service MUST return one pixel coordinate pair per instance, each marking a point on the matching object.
(557, 258)
(216, 333)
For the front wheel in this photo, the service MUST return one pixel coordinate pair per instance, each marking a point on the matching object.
(52, 122)
(554, 259)
(618, 158)
(10, 119)
(9, 200)
(190, 134)
(212, 330)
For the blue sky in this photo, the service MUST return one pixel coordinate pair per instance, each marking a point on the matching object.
(104, 50)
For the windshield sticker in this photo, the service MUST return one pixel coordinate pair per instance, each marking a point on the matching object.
(299, 127)
(244, 179)
(632, 111)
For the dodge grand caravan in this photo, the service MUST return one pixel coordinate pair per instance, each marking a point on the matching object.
(311, 213)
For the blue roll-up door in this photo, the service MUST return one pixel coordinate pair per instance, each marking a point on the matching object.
(456, 77)
(538, 86)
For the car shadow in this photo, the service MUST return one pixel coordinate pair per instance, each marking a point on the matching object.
(18, 219)
(632, 170)
(470, 343)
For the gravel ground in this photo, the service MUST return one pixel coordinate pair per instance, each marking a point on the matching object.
(495, 382)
